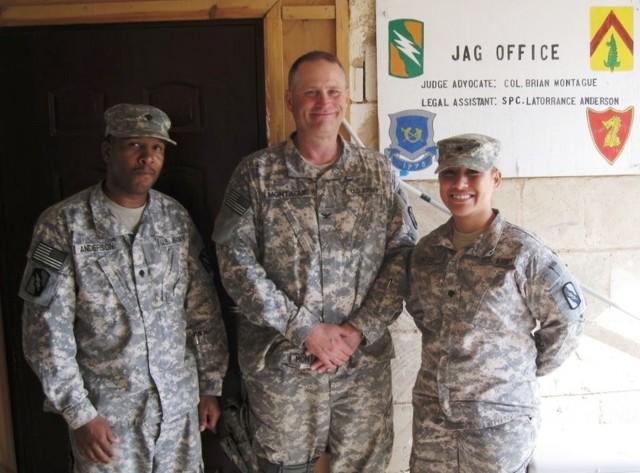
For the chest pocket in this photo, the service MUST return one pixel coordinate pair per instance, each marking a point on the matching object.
(118, 284)
(172, 276)
(165, 258)
(365, 201)
(493, 283)
(427, 293)
(289, 202)
(299, 230)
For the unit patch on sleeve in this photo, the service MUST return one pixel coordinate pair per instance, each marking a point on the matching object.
(571, 295)
(37, 282)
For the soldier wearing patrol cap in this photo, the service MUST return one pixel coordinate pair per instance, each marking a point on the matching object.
(479, 287)
(121, 323)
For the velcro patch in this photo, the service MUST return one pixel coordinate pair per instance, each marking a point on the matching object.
(49, 256)
(37, 282)
(206, 261)
(237, 202)
(571, 295)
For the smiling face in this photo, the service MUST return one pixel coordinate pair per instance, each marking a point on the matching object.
(133, 167)
(317, 98)
(467, 194)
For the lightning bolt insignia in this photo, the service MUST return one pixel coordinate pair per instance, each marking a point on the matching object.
(407, 47)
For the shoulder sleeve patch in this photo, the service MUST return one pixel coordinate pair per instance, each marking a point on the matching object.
(43, 274)
(571, 295)
(37, 282)
(564, 289)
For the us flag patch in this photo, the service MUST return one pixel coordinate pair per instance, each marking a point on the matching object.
(49, 256)
(237, 202)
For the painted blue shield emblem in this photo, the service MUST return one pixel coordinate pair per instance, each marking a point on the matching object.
(412, 146)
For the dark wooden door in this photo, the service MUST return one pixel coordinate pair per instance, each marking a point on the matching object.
(55, 84)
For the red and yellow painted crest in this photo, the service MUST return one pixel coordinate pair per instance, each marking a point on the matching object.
(611, 46)
(610, 129)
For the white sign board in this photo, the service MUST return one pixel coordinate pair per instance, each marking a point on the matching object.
(556, 82)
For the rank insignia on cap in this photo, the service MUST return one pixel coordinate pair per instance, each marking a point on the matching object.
(37, 282)
(126, 120)
(237, 202)
(49, 256)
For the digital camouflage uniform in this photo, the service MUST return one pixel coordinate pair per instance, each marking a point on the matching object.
(476, 395)
(296, 247)
(127, 327)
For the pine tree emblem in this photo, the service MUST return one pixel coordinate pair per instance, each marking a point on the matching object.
(612, 59)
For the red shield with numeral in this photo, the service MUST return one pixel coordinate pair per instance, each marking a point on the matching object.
(610, 129)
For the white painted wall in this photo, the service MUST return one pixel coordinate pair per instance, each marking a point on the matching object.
(594, 223)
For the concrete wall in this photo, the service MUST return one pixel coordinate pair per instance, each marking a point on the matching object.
(592, 222)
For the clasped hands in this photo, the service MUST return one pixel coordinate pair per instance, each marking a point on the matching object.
(332, 345)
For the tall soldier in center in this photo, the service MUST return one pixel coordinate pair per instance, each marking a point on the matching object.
(311, 241)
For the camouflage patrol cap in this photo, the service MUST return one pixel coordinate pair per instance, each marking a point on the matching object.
(126, 120)
(473, 151)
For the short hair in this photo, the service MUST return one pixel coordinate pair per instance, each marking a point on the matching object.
(310, 57)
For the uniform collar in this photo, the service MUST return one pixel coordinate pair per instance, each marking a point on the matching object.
(107, 224)
(298, 167)
(486, 243)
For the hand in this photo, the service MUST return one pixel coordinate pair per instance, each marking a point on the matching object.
(208, 412)
(351, 335)
(328, 345)
(94, 440)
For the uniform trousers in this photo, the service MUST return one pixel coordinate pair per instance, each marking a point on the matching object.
(297, 414)
(166, 447)
(504, 448)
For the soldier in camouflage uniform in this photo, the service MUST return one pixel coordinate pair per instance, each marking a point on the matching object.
(120, 322)
(479, 287)
(312, 234)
